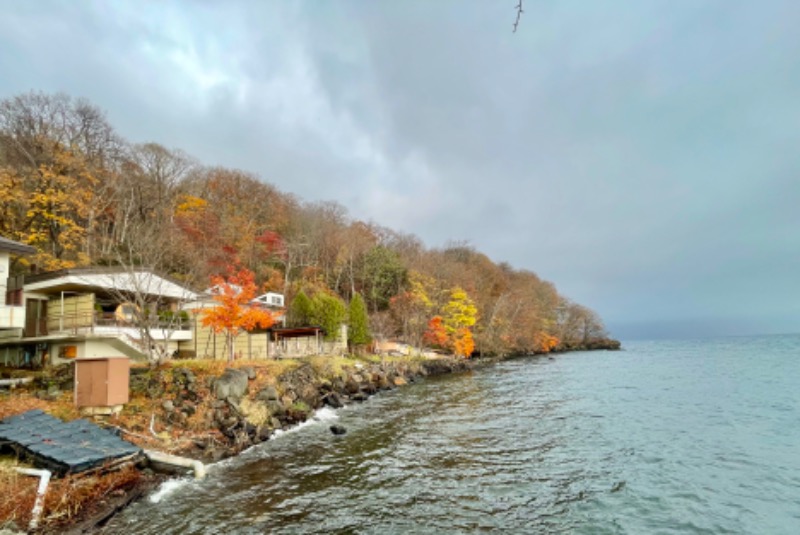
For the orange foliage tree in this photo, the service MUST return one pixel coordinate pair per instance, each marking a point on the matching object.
(545, 343)
(235, 310)
(463, 343)
(436, 334)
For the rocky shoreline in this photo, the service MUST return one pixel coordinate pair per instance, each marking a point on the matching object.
(240, 412)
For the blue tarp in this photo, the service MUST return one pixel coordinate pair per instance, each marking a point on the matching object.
(64, 447)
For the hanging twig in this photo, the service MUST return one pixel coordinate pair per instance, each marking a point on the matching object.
(519, 14)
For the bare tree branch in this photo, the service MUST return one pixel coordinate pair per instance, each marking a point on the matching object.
(519, 14)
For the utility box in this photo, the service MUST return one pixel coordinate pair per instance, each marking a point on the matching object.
(102, 382)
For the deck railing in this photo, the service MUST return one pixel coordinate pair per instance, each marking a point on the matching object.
(83, 322)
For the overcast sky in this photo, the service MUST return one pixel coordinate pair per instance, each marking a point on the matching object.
(642, 155)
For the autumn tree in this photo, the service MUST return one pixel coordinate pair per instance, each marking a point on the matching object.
(358, 322)
(58, 210)
(463, 343)
(145, 192)
(578, 326)
(412, 308)
(452, 329)
(384, 276)
(436, 335)
(356, 240)
(60, 152)
(460, 312)
(235, 310)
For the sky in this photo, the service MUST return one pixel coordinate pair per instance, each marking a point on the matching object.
(640, 154)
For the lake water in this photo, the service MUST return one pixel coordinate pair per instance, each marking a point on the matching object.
(695, 436)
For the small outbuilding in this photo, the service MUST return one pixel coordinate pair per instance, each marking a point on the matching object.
(102, 384)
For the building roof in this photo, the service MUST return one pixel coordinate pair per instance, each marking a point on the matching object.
(141, 281)
(295, 332)
(15, 247)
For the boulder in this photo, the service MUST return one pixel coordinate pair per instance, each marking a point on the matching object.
(189, 375)
(352, 386)
(338, 385)
(309, 394)
(275, 407)
(268, 393)
(334, 400)
(229, 422)
(338, 429)
(168, 405)
(264, 433)
(183, 375)
(234, 405)
(232, 383)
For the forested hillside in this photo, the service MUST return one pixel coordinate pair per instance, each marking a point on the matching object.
(74, 189)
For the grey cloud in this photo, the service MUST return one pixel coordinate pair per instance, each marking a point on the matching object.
(642, 155)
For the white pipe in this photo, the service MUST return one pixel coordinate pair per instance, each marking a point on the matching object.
(38, 506)
(173, 460)
(15, 382)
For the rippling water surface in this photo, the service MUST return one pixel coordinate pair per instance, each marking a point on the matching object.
(663, 437)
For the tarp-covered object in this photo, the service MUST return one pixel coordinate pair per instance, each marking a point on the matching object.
(63, 447)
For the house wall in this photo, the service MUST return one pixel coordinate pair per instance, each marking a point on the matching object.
(5, 262)
(253, 346)
(11, 317)
(208, 344)
(99, 348)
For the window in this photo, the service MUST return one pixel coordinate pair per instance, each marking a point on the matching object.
(14, 297)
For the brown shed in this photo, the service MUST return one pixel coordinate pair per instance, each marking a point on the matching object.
(102, 381)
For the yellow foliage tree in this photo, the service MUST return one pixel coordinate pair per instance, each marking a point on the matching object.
(459, 315)
(58, 209)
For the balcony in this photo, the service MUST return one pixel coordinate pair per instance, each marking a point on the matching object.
(108, 324)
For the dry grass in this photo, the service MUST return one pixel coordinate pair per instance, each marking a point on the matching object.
(72, 496)
(17, 493)
(21, 400)
(201, 367)
(66, 498)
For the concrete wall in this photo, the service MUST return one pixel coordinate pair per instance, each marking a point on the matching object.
(84, 349)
